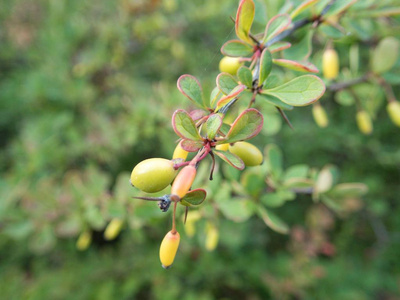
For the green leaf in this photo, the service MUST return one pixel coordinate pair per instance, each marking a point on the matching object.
(274, 160)
(348, 190)
(226, 83)
(236, 48)
(297, 171)
(385, 55)
(276, 102)
(245, 76)
(279, 46)
(184, 126)
(215, 95)
(191, 146)
(189, 86)
(247, 125)
(300, 91)
(194, 197)
(339, 6)
(272, 221)
(233, 94)
(244, 20)
(331, 31)
(296, 66)
(276, 25)
(325, 180)
(272, 200)
(213, 125)
(237, 210)
(302, 7)
(265, 65)
(253, 182)
(225, 128)
(231, 159)
(298, 183)
(302, 50)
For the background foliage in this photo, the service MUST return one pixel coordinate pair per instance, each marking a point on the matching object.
(87, 91)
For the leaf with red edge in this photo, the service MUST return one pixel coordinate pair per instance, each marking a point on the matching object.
(231, 159)
(247, 125)
(276, 25)
(296, 65)
(184, 126)
(279, 46)
(236, 48)
(197, 114)
(189, 86)
(191, 146)
(213, 125)
(233, 94)
(194, 197)
(265, 66)
(226, 83)
(244, 20)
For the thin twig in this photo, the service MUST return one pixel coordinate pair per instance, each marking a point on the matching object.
(284, 117)
(346, 84)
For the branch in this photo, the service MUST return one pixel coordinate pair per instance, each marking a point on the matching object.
(346, 84)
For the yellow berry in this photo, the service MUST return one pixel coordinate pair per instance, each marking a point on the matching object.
(320, 116)
(247, 152)
(364, 122)
(222, 147)
(330, 64)
(230, 65)
(183, 181)
(179, 152)
(84, 240)
(212, 236)
(153, 175)
(113, 229)
(393, 109)
(169, 247)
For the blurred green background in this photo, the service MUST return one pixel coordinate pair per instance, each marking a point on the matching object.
(87, 90)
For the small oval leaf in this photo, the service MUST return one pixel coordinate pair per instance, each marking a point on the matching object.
(265, 65)
(191, 146)
(231, 159)
(194, 197)
(247, 125)
(385, 55)
(236, 48)
(296, 65)
(276, 25)
(244, 20)
(276, 102)
(272, 221)
(300, 91)
(184, 126)
(213, 124)
(233, 94)
(226, 83)
(245, 76)
(279, 46)
(189, 86)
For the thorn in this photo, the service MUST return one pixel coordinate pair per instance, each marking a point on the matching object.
(284, 117)
(186, 213)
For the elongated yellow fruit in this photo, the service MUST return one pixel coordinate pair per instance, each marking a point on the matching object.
(169, 247)
(330, 64)
(393, 110)
(320, 116)
(212, 237)
(222, 147)
(179, 152)
(183, 181)
(84, 240)
(247, 152)
(364, 122)
(113, 229)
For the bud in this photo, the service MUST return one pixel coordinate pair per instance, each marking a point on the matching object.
(113, 229)
(211, 237)
(393, 110)
(183, 181)
(84, 240)
(330, 64)
(230, 65)
(364, 122)
(190, 229)
(320, 116)
(169, 247)
(179, 152)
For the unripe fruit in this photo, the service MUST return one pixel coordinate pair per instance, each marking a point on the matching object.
(113, 229)
(393, 110)
(212, 236)
(364, 122)
(179, 152)
(320, 116)
(230, 65)
(84, 240)
(169, 247)
(183, 181)
(223, 147)
(330, 64)
(247, 152)
(153, 175)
